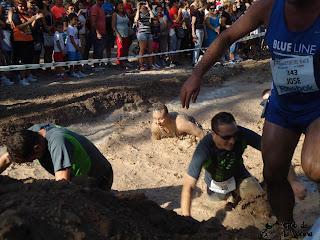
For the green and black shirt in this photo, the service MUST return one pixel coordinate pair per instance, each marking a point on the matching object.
(67, 149)
(221, 165)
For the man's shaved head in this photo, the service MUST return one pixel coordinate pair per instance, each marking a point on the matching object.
(159, 107)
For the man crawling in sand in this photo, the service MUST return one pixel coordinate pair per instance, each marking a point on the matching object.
(63, 153)
(169, 125)
(220, 154)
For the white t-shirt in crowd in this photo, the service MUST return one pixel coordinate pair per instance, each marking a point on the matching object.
(58, 37)
(72, 32)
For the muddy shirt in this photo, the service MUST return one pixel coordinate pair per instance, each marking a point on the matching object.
(221, 165)
(67, 149)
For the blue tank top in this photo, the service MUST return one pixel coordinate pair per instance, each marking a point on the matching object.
(295, 63)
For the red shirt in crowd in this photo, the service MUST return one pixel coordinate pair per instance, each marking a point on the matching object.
(58, 13)
(173, 13)
(98, 16)
(128, 8)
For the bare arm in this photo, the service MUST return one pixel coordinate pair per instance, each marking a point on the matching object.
(256, 15)
(63, 174)
(185, 126)
(155, 132)
(4, 162)
(74, 43)
(189, 184)
(193, 26)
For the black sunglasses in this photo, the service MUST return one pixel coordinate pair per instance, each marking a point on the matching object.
(227, 137)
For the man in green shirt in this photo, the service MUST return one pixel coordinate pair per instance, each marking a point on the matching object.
(63, 153)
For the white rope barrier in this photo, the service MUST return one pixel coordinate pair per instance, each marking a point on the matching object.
(103, 60)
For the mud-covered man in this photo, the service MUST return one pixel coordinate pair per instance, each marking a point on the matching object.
(220, 154)
(63, 153)
(166, 125)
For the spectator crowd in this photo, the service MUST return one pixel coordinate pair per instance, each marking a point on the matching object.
(41, 30)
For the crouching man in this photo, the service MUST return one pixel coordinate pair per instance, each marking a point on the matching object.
(220, 154)
(173, 124)
(63, 153)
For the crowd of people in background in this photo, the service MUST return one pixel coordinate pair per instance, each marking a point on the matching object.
(36, 30)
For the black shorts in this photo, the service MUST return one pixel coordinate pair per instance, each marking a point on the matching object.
(23, 52)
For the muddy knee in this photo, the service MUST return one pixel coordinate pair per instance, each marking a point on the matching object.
(311, 167)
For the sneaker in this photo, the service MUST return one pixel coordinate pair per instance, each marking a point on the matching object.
(31, 78)
(6, 81)
(155, 66)
(81, 74)
(172, 65)
(74, 75)
(24, 82)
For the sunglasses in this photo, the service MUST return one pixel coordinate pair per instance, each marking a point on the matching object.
(212, 9)
(228, 137)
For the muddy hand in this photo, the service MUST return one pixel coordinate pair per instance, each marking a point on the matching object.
(190, 90)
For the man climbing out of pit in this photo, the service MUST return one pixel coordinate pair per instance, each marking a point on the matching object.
(220, 154)
(63, 153)
(172, 124)
(293, 33)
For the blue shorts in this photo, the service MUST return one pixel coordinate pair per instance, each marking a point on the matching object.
(296, 121)
(144, 36)
(74, 56)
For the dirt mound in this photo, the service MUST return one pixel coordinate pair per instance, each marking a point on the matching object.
(44, 209)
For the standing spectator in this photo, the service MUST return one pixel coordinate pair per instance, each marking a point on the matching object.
(212, 22)
(58, 10)
(225, 20)
(120, 25)
(155, 31)
(6, 45)
(98, 29)
(69, 8)
(23, 48)
(143, 20)
(128, 8)
(83, 17)
(163, 38)
(110, 34)
(73, 45)
(197, 28)
(59, 48)
(186, 25)
(36, 29)
(48, 30)
(176, 32)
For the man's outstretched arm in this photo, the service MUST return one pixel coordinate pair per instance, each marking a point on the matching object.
(189, 184)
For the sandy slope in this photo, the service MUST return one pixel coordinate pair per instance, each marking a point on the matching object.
(157, 167)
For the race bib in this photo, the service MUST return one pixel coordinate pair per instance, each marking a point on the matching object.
(223, 187)
(294, 74)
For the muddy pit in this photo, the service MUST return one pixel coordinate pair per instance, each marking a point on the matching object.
(113, 109)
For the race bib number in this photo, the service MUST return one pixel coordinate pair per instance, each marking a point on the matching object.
(294, 74)
(223, 187)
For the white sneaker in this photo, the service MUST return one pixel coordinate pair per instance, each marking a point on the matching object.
(74, 75)
(31, 78)
(24, 82)
(156, 66)
(81, 74)
(6, 81)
